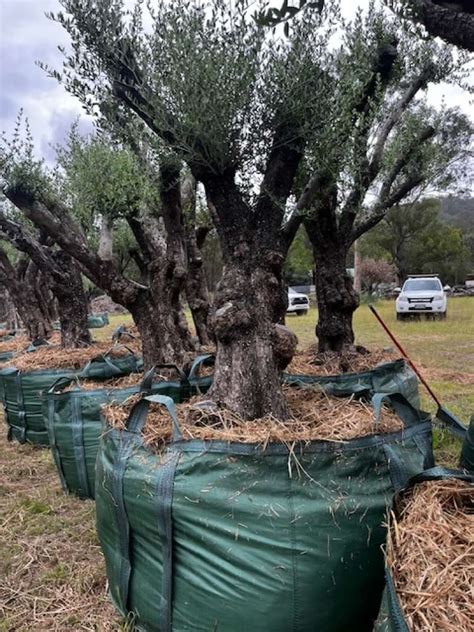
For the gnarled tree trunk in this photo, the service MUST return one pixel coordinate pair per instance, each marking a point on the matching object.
(336, 297)
(250, 353)
(196, 285)
(31, 314)
(72, 302)
(23, 296)
(163, 330)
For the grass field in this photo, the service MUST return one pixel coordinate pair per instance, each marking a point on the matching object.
(51, 570)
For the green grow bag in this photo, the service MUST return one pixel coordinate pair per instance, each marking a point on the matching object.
(389, 377)
(74, 423)
(467, 453)
(22, 393)
(215, 536)
(391, 617)
(7, 355)
(96, 321)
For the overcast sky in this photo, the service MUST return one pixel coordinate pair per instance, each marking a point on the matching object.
(26, 36)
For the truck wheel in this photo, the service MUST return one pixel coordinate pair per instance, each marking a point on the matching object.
(301, 312)
(400, 316)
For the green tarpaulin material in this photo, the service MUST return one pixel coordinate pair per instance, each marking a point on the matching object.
(7, 355)
(95, 321)
(74, 423)
(467, 453)
(214, 536)
(22, 390)
(391, 617)
(389, 377)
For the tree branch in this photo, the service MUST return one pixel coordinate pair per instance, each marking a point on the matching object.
(380, 209)
(22, 240)
(55, 219)
(371, 166)
(452, 21)
(280, 172)
(392, 119)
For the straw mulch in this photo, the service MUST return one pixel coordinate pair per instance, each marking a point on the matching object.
(16, 344)
(134, 379)
(431, 556)
(313, 416)
(53, 357)
(52, 572)
(310, 362)
(20, 342)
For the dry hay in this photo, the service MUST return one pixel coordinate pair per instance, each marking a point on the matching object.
(314, 415)
(431, 556)
(134, 379)
(53, 357)
(20, 342)
(310, 362)
(15, 345)
(52, 575)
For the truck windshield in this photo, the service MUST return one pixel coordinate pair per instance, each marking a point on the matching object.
(422, 285)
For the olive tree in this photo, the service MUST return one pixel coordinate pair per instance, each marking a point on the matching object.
(19, 276)
(379, 144)
(451, 20)
(63, 279)
(238, 106)
(96, 187)
(44, 272)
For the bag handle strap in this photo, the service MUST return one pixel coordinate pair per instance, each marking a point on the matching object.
(206, 358)
(106, 357)
(149, 376)
(64, 381)
(139, 413)
(407, 413)
(440, 473)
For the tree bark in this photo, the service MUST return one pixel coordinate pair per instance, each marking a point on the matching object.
(196, 286)
(72, 302)
(40, 283)
(249, 300)
(163, 331)
(248, 362)
(357, 268)
(452, 20)
(23, 296)
(335, 294)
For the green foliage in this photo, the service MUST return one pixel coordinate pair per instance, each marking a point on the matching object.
(299, 262)
(274, 16)
(100, 179)
(345, 144)
(20, 170)
(217, 84)
(417, 241)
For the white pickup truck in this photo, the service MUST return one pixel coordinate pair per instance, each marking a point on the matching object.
(422, 295)
(297, 303)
